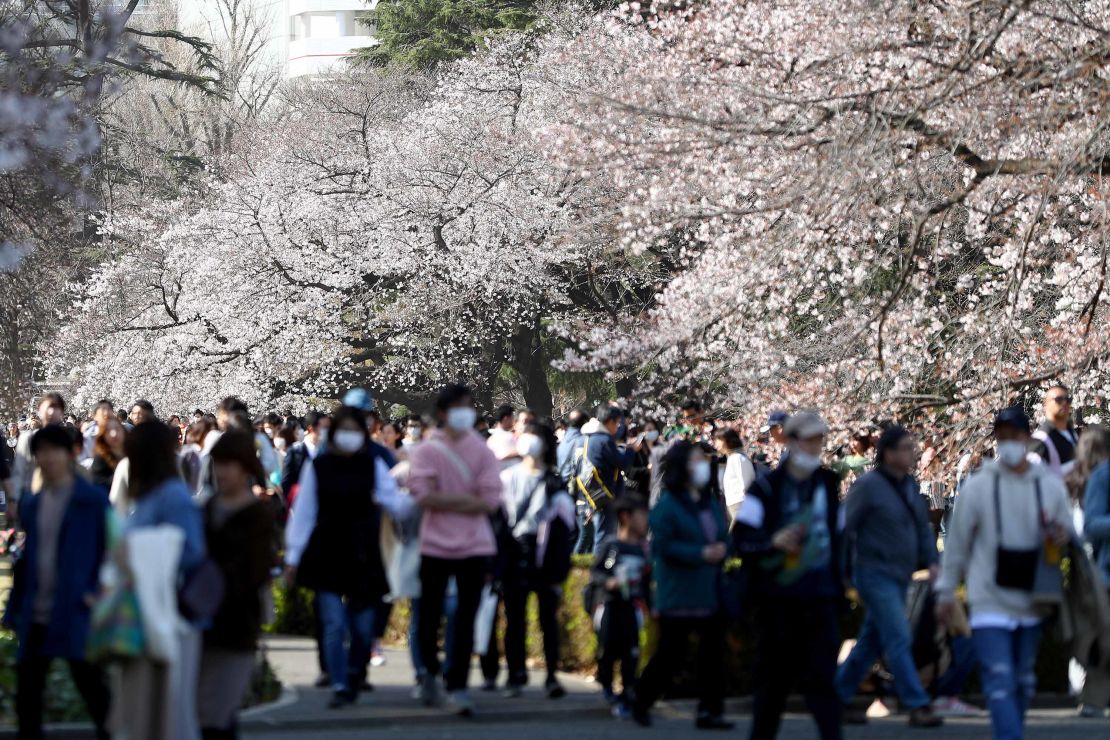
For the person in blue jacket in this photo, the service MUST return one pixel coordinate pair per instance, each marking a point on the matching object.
(601, 468)
(66, 526)
(689, 532)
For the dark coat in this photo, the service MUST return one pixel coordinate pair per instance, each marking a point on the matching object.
(242, 548)
(82, 543)
(684, 581)
(762, 561)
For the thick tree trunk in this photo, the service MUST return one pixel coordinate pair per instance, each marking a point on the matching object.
(529, 362)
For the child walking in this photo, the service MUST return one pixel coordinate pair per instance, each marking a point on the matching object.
(619, 583)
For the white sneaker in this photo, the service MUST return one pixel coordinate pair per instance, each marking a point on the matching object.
(950, 706)
(460, 703)
(377, 660)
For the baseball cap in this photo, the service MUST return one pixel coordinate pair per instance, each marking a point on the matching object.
(360, 399)
(1012, 416)
(774, 419)
(805, 425)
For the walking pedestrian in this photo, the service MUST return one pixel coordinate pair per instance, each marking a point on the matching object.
(999, 556)
(238, 534)
(1090, 479)
(689, 535)
(108, 449)
(332, 546)
(66, 541)
(456, 480)
(888, 537)
(531, 490)
(156, 697)
(51, 411)
(620, 584)
(788, 533)
(600, 469)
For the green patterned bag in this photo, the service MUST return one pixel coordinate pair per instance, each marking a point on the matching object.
(115, 629)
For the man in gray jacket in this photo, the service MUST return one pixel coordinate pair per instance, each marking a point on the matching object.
(888, 536)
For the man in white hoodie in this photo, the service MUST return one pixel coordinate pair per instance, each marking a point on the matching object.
(999, 557)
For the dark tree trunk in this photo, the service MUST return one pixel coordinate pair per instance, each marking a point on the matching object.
(529, 362)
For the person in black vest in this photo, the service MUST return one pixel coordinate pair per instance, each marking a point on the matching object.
(332, 544)
(787, 532)
(1055, 440)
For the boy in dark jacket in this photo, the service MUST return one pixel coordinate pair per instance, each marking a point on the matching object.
(620, 579)
(788, 533)
(66, 524)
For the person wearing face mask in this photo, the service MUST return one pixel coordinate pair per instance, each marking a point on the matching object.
(788, 532)
(456, 480)
(999, 555)
(414, 431)
(531, 490)
(332, 545)
(644, 441)
(689, 533)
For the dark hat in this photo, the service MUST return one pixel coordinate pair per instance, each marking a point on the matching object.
(1013, 416)
(774, 419)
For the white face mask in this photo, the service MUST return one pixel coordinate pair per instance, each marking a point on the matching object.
(347, 440)
(1011, 452)
(651, 436)
(804, 461)
(413, 433)
(700, 473)
(279, 444)
(529, 445)
(461, 418)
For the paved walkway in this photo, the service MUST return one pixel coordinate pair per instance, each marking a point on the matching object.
(391, 704)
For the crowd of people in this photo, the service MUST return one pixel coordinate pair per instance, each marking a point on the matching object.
(147, 548)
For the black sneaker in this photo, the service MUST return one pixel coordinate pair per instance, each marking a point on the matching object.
(641, 716)
(323, 681)
(713, 722)
(341, 699)
(555, 689)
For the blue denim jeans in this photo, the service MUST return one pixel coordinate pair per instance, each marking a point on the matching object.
(885, 632)
(605, 524)
(952, 682)
(343, 621)
(1007, 659)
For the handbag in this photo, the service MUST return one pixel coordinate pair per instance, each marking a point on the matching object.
(202, 593)
(1026, 569)
(115, 627)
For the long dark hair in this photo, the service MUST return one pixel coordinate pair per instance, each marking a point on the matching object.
(238, 447)
(151, 449)
(676, 467)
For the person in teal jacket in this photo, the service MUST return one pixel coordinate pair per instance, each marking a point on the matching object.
(689, 532)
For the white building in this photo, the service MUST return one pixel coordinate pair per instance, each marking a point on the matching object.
(305, 36)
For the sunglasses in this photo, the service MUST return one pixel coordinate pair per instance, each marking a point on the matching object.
(1062, 399)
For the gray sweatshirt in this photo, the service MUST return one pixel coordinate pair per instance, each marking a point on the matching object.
(882, 533)
(971, 548)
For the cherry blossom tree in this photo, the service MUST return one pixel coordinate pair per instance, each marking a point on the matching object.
(392, 231)
(885, 209)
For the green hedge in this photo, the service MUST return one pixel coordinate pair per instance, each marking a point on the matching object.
(578, 643)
